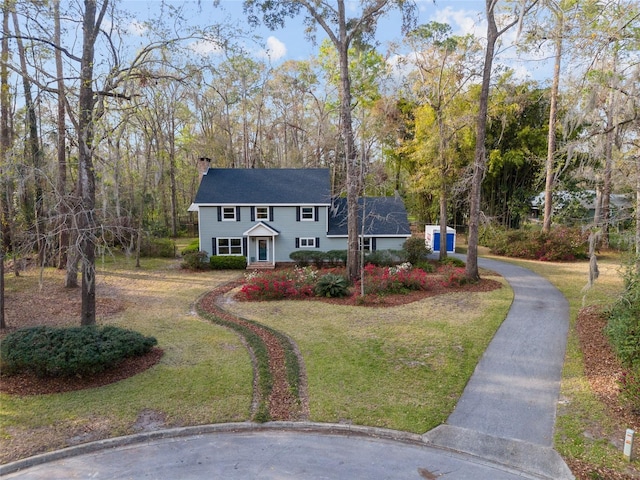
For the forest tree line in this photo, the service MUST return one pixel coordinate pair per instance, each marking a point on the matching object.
(101, 132)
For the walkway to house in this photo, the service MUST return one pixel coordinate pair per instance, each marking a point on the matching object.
(502, 427)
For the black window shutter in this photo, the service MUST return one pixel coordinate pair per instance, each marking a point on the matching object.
(271, 214)
(219, 214)
(297, 242)
(253, 214)
(373, 244)
(317, 242)
(244, 246)
(214, 246)
(237, 214)
(297, 214)
(317, 214)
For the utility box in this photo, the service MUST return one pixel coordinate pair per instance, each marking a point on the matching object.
(432, 238)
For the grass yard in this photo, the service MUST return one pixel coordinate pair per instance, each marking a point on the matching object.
(205, 375)
(400, 367)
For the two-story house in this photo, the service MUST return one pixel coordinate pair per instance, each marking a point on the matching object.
(265, 214)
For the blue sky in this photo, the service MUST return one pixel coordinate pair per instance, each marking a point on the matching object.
(463, 16)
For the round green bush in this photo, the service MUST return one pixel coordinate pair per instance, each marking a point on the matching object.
(196, 261)
(416, 250)
(64, 352)
(332, 286)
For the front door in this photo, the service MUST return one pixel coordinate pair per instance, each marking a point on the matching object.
(263, 249)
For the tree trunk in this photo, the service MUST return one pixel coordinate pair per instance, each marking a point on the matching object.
(34, 152)
(351, 159)
(553, 119)
(86, 174)
(480, 161)
(637, 214)
(63, 211)
(5, 144)
(443, 222)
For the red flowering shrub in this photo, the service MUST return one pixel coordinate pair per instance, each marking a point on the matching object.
(452, 276)
(277, 285)
(402, 278)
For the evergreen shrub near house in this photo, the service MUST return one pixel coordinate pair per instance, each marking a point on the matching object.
(304, 258)
(416, 250)
(336, 258)
(384, 258)
(332, 285)
(228, 262)
(192, 247)
(623, 329)
(196, 261)
(64, 352)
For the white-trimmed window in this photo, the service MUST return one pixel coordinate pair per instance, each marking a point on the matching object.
(229, 246)
(307, 243)
(228, 214)
(307, 214)
(365, 244)
(262, 213)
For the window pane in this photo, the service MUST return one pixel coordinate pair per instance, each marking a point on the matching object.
(262, 213)
(229, 213)
(307, 213)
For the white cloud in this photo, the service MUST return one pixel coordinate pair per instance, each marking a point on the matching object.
(206, 47)
(274, 50)
(137, 28)
(462, 22)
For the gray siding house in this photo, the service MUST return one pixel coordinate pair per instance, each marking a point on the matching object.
(265, 214)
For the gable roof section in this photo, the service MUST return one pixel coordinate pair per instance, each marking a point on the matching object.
(265, 186)
(385, 216)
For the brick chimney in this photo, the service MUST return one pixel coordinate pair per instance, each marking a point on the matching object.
(204, 164)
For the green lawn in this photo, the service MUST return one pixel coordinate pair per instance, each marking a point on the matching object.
(204, 377)
(401, 367)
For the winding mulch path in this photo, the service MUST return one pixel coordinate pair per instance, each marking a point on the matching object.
(282, 403)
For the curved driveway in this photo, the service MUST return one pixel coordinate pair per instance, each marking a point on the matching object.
(501, 428)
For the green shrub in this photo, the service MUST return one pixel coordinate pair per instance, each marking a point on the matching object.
(196, 261)
(192, 247)
(453, 261)
(63, 352)
(228, 262)
(336, 257)
(158, 248)
(382, 258)
(425, 266)
(623, 329)
(560, 244)
(332, 285)
(306, 257)
(416, 250)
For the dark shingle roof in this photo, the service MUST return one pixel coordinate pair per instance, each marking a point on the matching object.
(272, 186)
(384, 216)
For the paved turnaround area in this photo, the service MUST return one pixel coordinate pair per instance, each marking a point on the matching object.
(501, 428)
